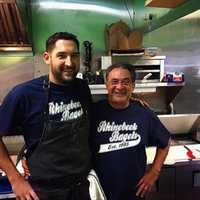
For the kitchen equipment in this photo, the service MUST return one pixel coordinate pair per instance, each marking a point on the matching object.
(143, 64)
(184, 147)
(175, 77)
(189, 153)
(88, 55)
(88, 75)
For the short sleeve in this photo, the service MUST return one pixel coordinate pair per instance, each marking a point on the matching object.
(10, 114)
(158, 135)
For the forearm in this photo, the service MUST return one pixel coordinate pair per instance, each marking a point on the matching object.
(159, 159)
(6, 163)
(20, 186)
(146, 182)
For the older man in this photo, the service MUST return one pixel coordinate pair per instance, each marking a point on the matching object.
(121, 131)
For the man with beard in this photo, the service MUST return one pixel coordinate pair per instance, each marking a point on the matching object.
(121, 131)
(52, 112)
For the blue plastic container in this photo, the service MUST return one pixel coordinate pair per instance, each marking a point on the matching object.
(5, 187)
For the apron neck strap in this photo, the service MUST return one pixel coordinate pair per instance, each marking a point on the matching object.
(46, 87)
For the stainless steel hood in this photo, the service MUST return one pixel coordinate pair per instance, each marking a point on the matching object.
(181, 123)
(12, 31)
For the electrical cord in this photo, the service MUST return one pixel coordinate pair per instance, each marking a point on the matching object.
(131, 18)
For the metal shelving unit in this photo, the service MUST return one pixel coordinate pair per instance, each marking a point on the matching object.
(139, 87)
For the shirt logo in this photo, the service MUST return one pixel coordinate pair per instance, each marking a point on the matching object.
(69, 111)
(121, 136)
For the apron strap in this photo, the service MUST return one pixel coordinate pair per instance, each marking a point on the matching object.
(46, 87)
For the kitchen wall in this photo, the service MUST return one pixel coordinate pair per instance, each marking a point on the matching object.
(14, 69)
(180, 42)
(87, 18)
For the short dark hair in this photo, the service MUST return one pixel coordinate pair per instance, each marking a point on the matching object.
(50, 43)
(126, 66)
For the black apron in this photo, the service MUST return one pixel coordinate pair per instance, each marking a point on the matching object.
(60, 163)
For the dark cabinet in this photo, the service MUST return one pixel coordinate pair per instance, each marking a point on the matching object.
(188, 181)
(178, 182)
(165, 186)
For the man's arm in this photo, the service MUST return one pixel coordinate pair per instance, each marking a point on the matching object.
(151, 175)
(20, 186)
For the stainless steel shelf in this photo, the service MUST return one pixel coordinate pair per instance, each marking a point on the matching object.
(147, 70)
(7, 196)
(139, 87)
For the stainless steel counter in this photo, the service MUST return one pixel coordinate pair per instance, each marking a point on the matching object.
(7, 196)
(182, 127)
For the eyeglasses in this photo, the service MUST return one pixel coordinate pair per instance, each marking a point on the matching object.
(124, 82)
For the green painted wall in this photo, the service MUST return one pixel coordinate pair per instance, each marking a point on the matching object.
(87, 18)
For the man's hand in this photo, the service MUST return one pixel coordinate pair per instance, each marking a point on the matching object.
(20, 186)
(23, 189)
(146, 182)
(141, 102)
(25, 168)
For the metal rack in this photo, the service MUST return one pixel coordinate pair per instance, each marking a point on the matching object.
(139, 87)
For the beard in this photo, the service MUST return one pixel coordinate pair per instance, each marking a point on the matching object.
(65, 74)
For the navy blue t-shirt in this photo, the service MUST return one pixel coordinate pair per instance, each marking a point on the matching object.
(22, 109)
(119, 139)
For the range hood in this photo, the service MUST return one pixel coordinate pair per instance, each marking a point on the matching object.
(12, 31)
(164, 3)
